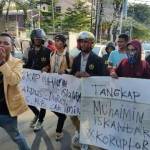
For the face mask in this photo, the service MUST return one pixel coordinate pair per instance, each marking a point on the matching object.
(132, 57)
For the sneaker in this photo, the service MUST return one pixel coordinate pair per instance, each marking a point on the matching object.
(59, 136)
(84, 147)
(75, 140)
(38, 126)
(33, 122)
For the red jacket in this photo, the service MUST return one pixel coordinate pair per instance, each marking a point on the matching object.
(140, 70)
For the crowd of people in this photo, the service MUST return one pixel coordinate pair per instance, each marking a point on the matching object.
(122, 59)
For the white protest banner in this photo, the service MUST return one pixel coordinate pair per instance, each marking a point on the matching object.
(60, 93)
(115, 113)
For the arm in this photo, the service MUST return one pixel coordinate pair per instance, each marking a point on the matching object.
(101, 67)
(29, 60)
(110, 60)
(116, 72)
(113, 73)
(68, 70)
(47, 67)
(73, 67)
(146, 70)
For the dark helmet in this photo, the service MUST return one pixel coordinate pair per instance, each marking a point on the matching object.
(60, 37)
(110, 44)
(38, 33)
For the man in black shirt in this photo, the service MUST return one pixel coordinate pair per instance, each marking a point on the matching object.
(38, 57)
(85, 64)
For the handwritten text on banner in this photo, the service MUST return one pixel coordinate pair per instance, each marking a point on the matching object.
(115, 113)
(60, 93)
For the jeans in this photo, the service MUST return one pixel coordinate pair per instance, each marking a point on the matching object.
(10, 125)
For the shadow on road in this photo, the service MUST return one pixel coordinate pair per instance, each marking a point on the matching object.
(36, 143)
(65, 143)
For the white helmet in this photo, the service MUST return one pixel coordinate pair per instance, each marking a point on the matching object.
(85, 35)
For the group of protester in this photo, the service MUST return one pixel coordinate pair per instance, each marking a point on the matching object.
(123, 62)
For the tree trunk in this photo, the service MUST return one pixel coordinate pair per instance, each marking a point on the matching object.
(99, 10)
(7, 11)
(117, 4)
(2, 4)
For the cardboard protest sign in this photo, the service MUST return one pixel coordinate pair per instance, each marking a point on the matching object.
(60, 93)
(115, 113)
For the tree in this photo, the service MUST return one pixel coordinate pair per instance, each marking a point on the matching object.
(77, 18)
(20, 5)
(140, 19)
(141, 13)
(9, 5)
(2, 4)
(50, 19)
(136, 29)
(98, 20)
(117, 5)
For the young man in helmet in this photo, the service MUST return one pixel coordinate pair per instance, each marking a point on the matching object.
(38, 57)
(85, 64)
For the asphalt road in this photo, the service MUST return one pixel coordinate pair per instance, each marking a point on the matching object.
(44, 139)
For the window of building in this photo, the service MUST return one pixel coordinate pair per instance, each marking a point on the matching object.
(58, 9)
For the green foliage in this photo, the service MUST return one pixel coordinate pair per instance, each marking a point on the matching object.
(47, 21)
(140, 12)
(2, 4)
(138, 30)
(141, 24)
(77, 18)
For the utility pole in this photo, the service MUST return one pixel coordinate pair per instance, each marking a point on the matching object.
(53, 15)
(121, 19)
(125, 8)
(32, 22)
(40, 16)
(93, 14)
(123, 13)
(131, 25)
(98, 21)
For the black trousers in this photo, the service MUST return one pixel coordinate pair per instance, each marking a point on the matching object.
(61, 121)
(39, 113)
